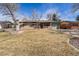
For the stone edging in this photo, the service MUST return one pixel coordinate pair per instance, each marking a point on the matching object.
(72, 45)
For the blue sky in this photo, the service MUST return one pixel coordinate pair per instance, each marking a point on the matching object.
(62, 9)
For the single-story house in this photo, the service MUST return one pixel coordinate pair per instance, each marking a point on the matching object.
(38, 24)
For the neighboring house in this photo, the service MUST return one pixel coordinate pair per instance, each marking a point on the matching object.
(69, 25)
(5, 24)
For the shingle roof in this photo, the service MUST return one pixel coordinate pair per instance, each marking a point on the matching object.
(5, 22)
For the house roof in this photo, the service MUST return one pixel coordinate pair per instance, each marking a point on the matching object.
(70, 22)
(37, 21)
(5, 22)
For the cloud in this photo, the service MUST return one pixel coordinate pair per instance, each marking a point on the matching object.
(68, 15)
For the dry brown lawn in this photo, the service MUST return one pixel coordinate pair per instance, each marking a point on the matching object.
(36, 42)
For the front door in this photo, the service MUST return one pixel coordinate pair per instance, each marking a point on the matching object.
(41, 25)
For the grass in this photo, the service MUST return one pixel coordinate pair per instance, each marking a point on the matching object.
(36, 42)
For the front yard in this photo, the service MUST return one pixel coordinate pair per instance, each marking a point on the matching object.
(36, 42)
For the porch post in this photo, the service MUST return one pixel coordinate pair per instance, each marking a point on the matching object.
(51, 25)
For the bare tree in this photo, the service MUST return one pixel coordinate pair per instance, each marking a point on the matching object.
(52, 17)
(36, 15)
(9, 9)
(75, 7)
(39, 17)
(77, 18)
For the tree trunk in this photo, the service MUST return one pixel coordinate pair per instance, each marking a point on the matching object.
(13, 18)
(15, 22)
